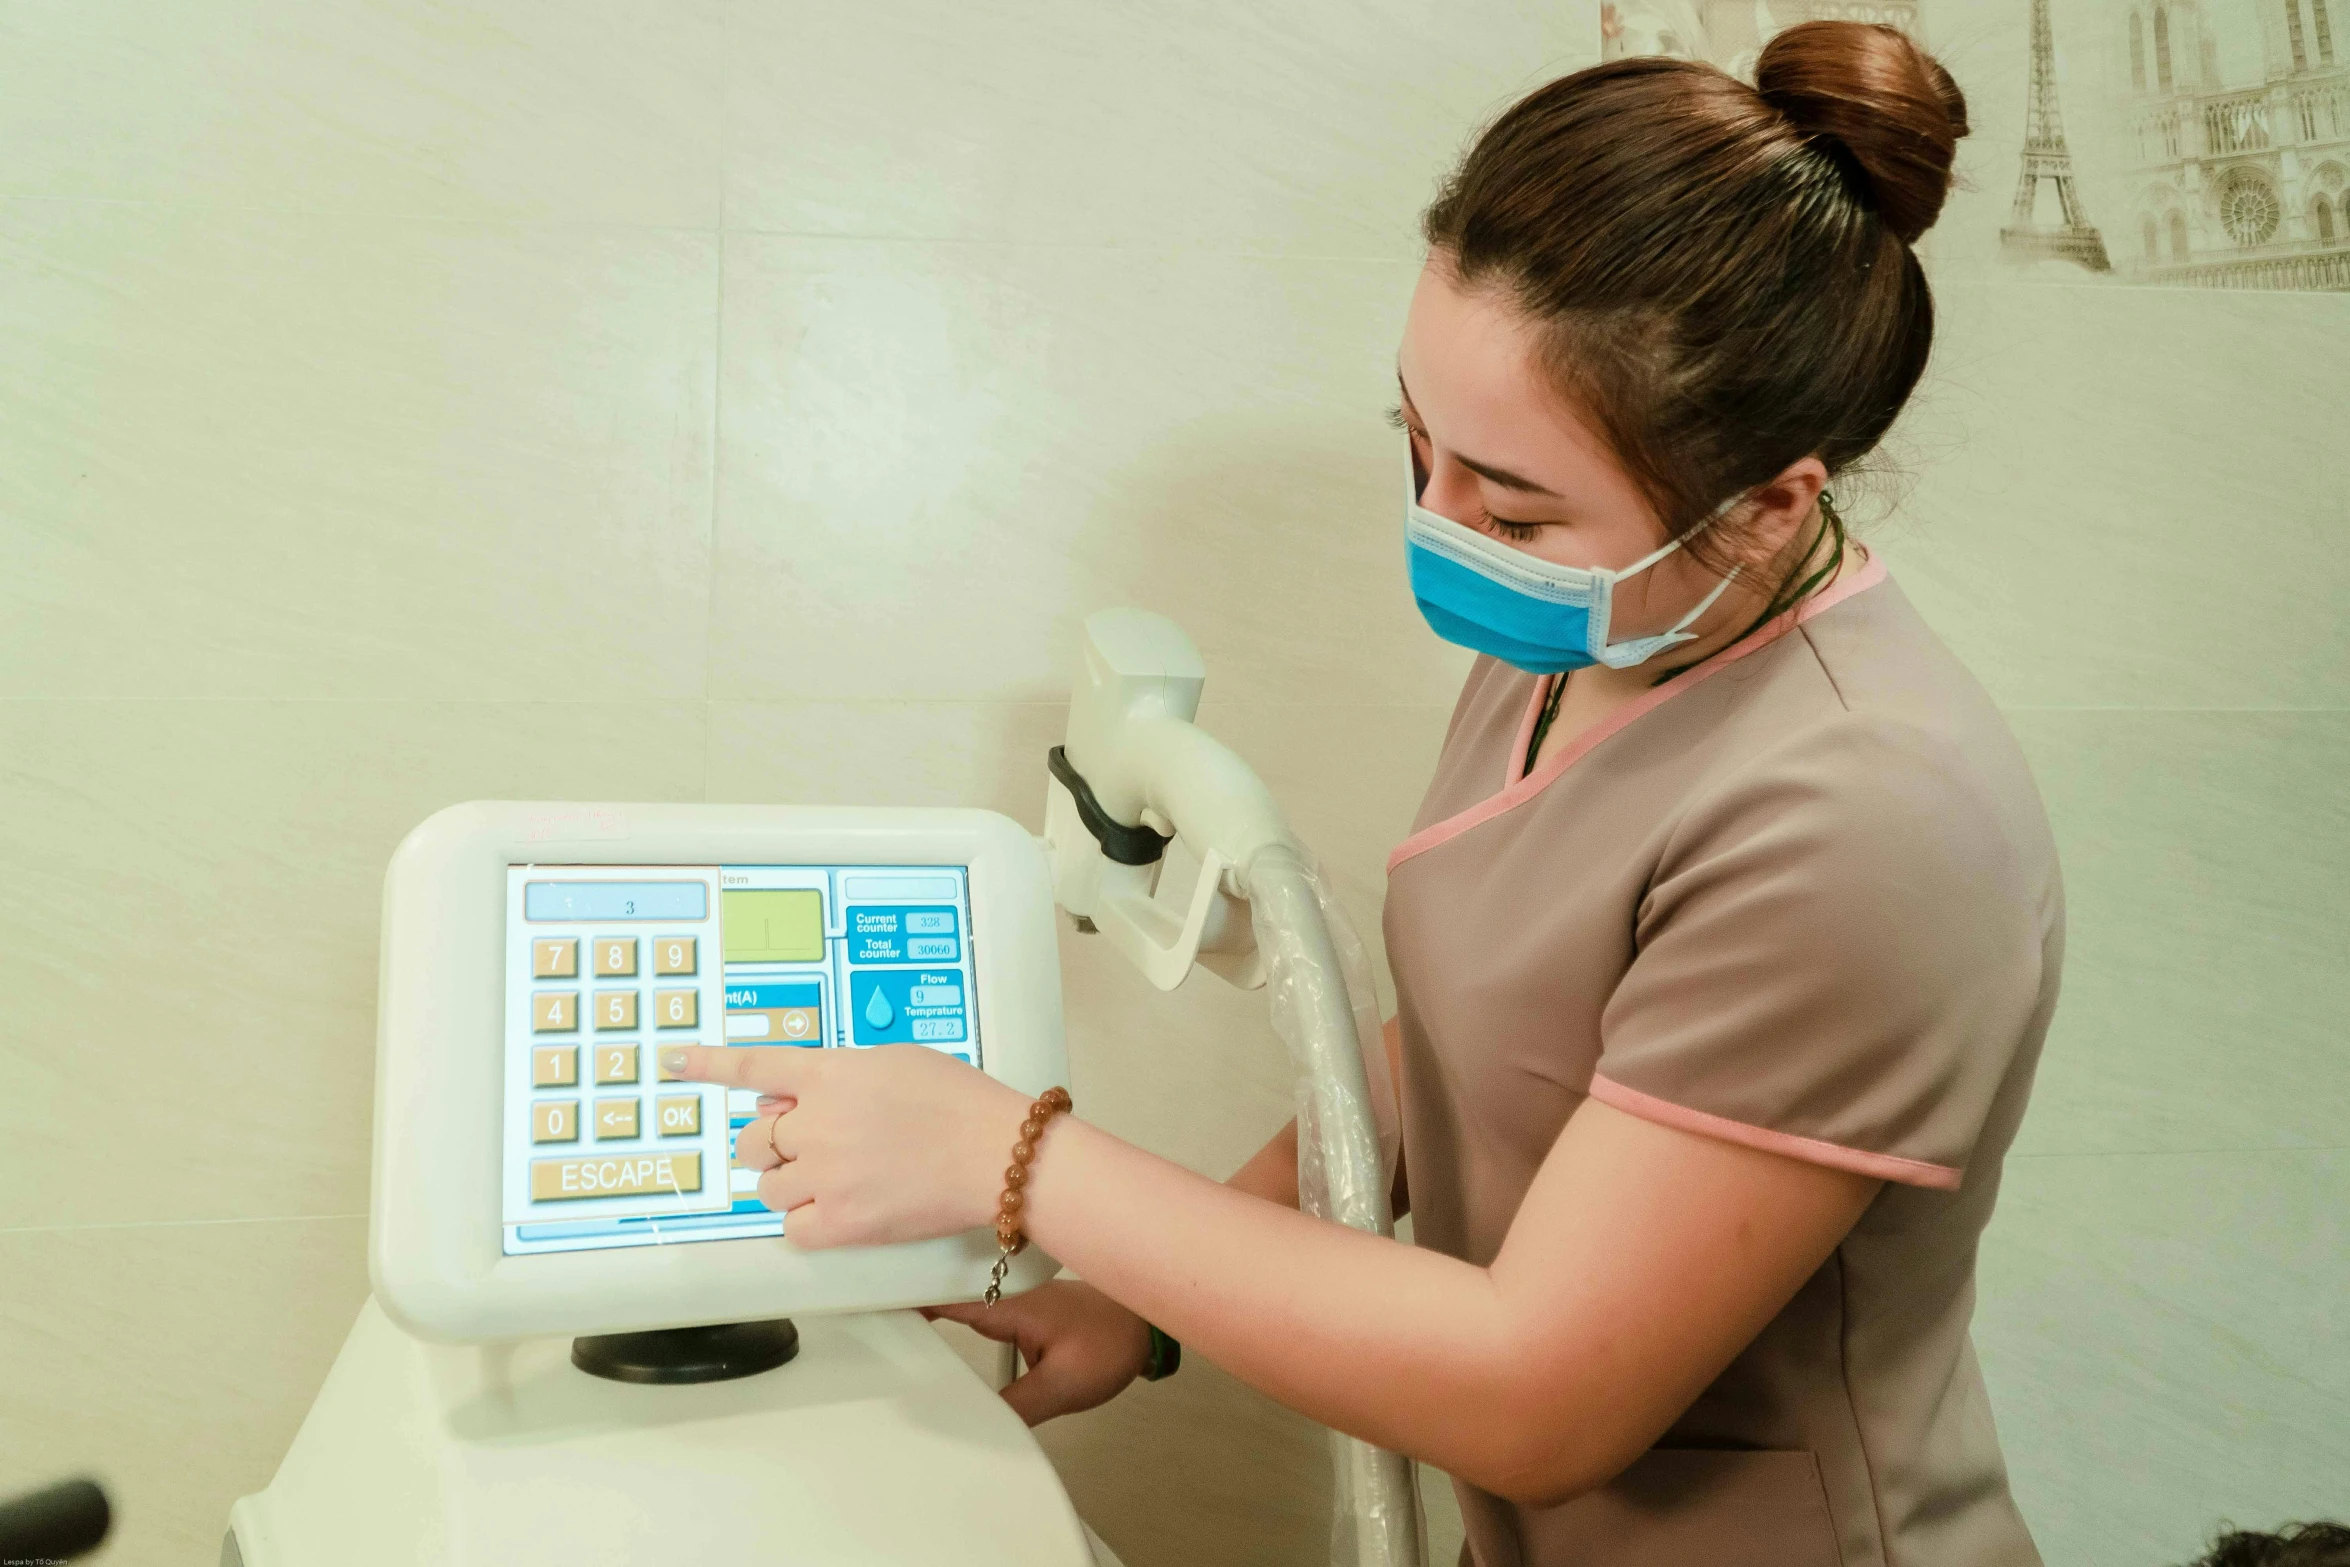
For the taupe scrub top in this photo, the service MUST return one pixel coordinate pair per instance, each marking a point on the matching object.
(1802, 897)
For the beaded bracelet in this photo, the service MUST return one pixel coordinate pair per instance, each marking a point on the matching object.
(1010, 1242)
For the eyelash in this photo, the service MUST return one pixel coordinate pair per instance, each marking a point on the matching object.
(1516, 532)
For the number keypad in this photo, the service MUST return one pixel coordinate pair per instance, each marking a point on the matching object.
(594, 1029)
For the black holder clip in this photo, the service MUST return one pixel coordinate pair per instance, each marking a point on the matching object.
(1121, 844)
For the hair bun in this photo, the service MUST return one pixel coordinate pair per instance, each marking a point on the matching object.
(1884, 100)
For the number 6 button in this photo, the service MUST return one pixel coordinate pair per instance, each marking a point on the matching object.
(676, 1008)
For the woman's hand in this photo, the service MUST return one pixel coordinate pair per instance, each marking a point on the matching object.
(894, 1143)
(1081, 1347)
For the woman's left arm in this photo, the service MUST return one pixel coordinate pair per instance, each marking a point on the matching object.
(1641, 1261)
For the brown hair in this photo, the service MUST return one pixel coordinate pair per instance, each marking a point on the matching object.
(1721, 274)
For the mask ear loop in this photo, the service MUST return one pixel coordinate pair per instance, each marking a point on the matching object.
(1627, 655)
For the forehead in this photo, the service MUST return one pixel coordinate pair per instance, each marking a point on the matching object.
(1468, 362)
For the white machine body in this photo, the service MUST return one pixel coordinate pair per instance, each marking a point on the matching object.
(537, 1176)
(877, 1447)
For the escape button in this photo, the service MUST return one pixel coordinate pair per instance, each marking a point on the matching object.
(616, 1175)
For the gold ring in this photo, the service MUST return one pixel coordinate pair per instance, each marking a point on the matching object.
(780, 1156)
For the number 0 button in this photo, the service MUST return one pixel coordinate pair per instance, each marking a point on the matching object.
(676, 1008)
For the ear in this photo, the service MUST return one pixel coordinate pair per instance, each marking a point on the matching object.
(1784, 503)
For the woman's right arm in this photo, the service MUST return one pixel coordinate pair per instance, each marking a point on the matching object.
(1081, 1347)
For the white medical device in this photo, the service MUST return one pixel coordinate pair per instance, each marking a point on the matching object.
(539, 1176)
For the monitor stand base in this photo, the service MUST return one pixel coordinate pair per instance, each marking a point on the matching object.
(720, 1352)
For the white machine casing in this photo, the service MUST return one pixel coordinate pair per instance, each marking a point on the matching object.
(434, 1234)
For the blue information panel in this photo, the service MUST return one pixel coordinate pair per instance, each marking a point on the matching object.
(904, 934)
(908, 1007)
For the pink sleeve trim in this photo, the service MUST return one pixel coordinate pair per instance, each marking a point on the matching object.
(1884, 1166)
(1526, 788)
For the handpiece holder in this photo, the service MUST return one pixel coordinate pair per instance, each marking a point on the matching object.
(1132, 774)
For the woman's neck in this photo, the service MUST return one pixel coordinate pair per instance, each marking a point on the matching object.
(1595, 692)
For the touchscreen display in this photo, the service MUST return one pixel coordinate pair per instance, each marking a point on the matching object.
(606, 965)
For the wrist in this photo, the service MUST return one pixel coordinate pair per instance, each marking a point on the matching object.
(996, 1131)
(1011, 1215)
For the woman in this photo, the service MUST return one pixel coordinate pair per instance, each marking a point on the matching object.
(1724, 943)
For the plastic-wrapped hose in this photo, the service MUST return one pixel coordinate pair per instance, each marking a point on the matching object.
(1326, 1012)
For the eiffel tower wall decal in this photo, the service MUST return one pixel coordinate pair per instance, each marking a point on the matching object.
(2064, 234)
(2207, 145)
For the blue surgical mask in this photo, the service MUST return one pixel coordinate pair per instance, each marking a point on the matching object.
(1541, 617)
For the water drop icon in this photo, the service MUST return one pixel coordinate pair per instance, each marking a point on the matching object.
(878, 1011)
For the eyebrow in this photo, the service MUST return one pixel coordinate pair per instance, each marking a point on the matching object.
(1501, 476)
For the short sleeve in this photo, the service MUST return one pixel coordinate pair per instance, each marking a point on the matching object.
(1837, 958)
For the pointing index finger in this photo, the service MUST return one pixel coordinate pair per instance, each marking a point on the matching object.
(777, 1070)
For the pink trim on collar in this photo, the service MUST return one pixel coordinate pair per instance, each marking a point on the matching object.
(1811, 1150)
(1526, 788)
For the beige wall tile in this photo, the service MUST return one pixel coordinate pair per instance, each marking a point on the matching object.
(2128, 496)
(985, 754)
(2206, 860)
(2165, 1346)
(171, 1362)
(1318, 127)
(188, 933)
(600, 111)
(258, 455)
(938, 458)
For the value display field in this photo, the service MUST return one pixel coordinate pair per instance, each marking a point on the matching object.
(608, 965)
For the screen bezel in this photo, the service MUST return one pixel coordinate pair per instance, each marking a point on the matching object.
(436, 1219)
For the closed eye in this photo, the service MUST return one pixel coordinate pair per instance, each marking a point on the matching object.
(1503, 527)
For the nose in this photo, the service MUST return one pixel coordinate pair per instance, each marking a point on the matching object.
(1450, 490)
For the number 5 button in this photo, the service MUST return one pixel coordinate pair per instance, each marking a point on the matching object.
(676, 1008)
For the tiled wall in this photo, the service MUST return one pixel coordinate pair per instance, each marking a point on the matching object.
(407, 404)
